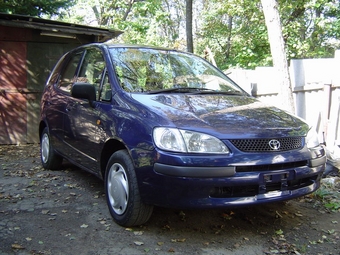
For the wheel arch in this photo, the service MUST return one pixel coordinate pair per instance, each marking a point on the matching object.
(110, 147)
(42, 126)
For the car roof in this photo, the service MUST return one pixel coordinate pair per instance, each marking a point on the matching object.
(111, 45)
(118, 45)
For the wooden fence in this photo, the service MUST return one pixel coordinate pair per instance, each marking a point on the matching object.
(316, 90)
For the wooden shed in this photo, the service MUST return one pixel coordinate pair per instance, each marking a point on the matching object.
(29, 49)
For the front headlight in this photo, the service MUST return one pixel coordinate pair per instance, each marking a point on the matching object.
(312, 139)
(177, 140)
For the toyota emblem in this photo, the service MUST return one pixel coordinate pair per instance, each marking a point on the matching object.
(274, 144)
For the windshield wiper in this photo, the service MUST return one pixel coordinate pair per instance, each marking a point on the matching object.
(232, 93)
(192, 90)
(177, 90)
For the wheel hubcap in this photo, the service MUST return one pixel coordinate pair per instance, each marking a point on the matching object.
(45, 148)
(118, 188)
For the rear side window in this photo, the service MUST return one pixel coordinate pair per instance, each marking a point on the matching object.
(53, 78)
(68, 75)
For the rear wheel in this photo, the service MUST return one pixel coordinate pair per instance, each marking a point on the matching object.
(122, 193)
(49, 158)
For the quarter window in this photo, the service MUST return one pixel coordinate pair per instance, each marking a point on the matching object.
(106, 92)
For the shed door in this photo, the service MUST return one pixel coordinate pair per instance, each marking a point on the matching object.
(13, 114)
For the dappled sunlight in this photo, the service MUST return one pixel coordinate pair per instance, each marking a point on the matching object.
(13, 65)
(21, 85)
(13, 116)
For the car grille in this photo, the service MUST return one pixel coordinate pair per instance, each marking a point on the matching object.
(268, 145)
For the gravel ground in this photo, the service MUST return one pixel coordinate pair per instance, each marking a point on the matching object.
(64, 212)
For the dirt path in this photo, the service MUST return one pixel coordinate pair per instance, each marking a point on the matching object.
(64, 212)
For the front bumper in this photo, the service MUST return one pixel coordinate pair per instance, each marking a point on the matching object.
(240, 189)
(233, 185)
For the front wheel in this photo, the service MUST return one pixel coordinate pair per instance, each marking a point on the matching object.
(122, 193)
(49, 158)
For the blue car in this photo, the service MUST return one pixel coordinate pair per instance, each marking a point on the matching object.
(166, 128)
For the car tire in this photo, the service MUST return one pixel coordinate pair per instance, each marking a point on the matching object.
(49, 158)
(122, 193)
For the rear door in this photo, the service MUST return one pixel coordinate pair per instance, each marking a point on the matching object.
(61, 78)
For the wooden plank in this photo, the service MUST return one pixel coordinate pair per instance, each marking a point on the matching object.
(12, 101)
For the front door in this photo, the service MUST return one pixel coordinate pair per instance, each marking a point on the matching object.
(83, 129)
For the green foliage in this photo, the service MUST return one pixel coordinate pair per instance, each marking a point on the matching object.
(311, 29)
(144, 21)
(234, 30)
(33, 7)
(329, 196)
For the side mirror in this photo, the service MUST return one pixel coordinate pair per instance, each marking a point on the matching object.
(84, 91)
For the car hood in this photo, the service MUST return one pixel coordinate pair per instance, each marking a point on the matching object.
(222, 115)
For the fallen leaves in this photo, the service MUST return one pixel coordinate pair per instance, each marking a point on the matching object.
(281, 245)
(178, 240)
(138, 233)
(284, 229)
(17, 246)
(279, 232)
(138, 243)
(103, 221)
(298, 214)
(277, 215)
(45, 212)
(328, 194)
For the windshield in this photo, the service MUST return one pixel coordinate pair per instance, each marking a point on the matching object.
(150, 70)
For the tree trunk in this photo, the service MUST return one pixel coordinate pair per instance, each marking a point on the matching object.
(130, 3)
(277, 48)
(188, 14)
